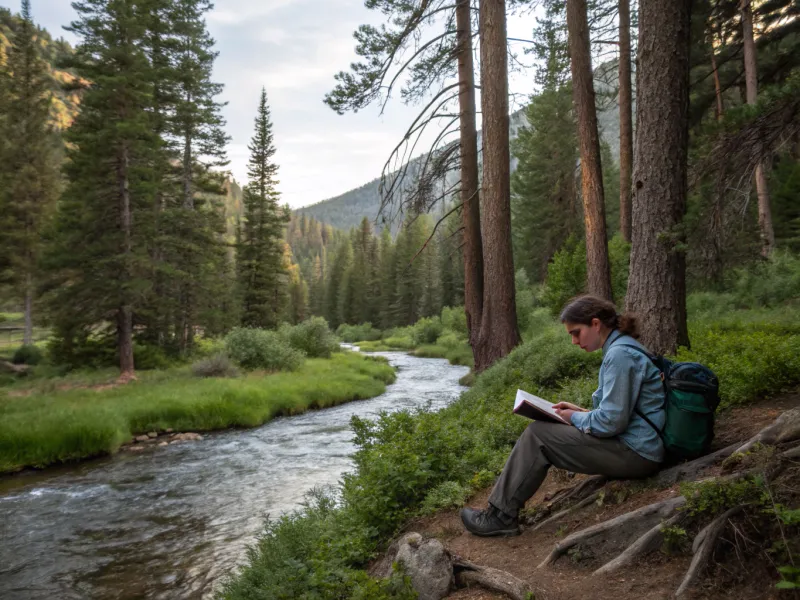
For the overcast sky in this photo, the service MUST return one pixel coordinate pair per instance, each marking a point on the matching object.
(293, 48)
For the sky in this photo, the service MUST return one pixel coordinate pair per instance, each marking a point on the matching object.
(293, 48)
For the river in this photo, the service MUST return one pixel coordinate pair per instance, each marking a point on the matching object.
(172, 521)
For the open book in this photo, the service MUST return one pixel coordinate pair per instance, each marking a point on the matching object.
(535, 408)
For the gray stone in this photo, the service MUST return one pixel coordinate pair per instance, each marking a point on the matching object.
(152, 435)
(142, 438)
(427, 564)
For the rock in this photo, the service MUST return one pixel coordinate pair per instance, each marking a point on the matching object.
(163, 444)
(427, 564)
(7, 367)
(136, 448)
(142, 438)
(168, 430)
(152, 435)
(186, 437)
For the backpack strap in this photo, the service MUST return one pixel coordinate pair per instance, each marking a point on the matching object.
(660, 432)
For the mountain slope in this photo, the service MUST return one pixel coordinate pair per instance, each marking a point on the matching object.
(347, 210)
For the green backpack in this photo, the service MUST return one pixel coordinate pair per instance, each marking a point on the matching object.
(691, 393)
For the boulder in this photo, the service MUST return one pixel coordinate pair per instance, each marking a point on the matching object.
(427, 564)
(142, 438)
(186, 437)
(152, 435)
(163, 444)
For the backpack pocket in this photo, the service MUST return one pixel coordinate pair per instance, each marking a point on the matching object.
(690, 424)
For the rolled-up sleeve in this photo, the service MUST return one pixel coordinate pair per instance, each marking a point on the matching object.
(621, 382)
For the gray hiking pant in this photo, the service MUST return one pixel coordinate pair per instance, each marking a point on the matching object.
(544, 444)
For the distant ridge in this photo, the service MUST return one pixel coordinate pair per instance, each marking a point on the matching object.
(348, 209)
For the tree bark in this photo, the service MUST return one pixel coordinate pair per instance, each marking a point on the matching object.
(470, 210)
(625, 120)
(27, 336)
(125, 312)
(751, 84)
(657, 285)
(499, 332)
(598, 272)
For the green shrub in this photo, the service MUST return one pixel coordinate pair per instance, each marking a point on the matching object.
(147, 357)
(261, 349)
(27, 355)
(209, 346)
(716, 496)
(426, 331)
(218, 365)
(526, 299)
(566, 275)
(750, 364)
(767, 282)
(450, 339)
(313, 337)
(455, 320)
(364, 332)
(448, 494)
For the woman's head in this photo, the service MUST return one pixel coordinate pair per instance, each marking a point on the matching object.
(589, 320)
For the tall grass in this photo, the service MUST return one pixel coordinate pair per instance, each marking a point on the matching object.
(44, 428)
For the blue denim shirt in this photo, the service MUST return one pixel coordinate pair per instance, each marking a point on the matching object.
(626, 376)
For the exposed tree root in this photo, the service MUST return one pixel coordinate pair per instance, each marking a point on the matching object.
(703, 548)
(629, 521)
(467, 573)
(578, 491)
(786, 428)
(560, 515)
(691, 470)
(791, 453)
(645, 544)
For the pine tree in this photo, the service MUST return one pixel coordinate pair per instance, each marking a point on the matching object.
(196, 128)
(99, 257)
(545, 207)
(262, 277)
(29, 182)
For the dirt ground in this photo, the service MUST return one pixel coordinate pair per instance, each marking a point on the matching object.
(656, 577)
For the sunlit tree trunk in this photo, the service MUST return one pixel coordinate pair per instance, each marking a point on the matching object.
(598, 272)
(499, 331)
(625, 120)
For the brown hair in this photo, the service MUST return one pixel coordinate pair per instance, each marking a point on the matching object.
(583, 309)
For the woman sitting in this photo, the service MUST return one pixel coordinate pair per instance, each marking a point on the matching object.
(611, 439)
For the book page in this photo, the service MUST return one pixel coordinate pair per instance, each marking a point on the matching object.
(541, 404)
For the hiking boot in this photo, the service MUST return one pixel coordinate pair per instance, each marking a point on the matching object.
(489, 522)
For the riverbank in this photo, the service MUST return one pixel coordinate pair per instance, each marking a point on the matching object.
(55, 421)
(412, 465)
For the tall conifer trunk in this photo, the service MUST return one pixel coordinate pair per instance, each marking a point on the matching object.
(657, 285)
(598, 272)
(751, 84)
(27, 336)
(499, 331)
(470, 211)
(125, 313)
(625, 120)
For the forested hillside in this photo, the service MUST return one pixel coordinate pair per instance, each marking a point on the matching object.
(345, 211)
(56, 54)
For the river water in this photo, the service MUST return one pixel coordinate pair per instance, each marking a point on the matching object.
(172, 521)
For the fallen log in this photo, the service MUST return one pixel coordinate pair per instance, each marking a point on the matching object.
(467, 573)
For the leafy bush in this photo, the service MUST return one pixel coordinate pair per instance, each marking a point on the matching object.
(526, 299)
(455, 320)
(209, 346)
(313, 337)
(716, 496)
(218, 365)
(27, 355)
(566, 275)
(750, 363)
(262, 349)
(358, 333)
(767, 282)
(448, 494)
(426, 331)
(148, 357)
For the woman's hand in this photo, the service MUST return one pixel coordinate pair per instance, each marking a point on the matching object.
(565, 410)
(569, 406)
